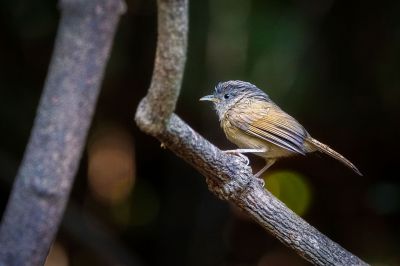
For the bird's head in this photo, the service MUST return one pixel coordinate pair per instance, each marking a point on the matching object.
(228, 93)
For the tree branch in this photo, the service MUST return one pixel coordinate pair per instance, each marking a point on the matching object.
(226, 175)
(45, 177)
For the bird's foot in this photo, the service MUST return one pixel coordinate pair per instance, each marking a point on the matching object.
(242, 156)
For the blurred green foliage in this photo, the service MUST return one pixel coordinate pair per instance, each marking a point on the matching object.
(291, 188)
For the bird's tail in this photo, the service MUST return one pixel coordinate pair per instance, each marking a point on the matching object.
(327, 150)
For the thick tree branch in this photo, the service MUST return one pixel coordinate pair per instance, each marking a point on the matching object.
(227, 177)
(45, 177)
(159, 103)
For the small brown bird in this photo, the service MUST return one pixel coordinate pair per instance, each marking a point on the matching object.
(257, 125)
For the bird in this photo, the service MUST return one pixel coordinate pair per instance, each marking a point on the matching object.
(254, 123)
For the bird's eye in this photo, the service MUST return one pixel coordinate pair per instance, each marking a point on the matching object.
(226, 96)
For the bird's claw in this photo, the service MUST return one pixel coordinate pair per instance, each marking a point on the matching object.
(246, 160)
(261, 181)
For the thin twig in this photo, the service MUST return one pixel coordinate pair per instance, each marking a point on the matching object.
(227, 177)
(45, 177)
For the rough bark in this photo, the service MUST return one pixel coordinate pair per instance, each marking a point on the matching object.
(226, 175)
(50, 162)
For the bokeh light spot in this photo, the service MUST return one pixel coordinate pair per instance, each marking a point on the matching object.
(111, 169)
(291, 188)
(57, 256)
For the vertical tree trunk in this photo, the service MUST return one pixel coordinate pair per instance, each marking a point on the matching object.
(51, 159)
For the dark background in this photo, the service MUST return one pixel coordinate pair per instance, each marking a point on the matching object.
(334, 65)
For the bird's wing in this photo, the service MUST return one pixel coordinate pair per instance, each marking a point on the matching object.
(267, 121)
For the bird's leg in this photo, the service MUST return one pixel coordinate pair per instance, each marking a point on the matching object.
(246, 151)
(240, 152)
(269, 162)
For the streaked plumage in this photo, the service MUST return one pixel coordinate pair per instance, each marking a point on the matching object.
(256, 124)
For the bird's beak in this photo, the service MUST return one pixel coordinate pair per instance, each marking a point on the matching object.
(210, 98)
